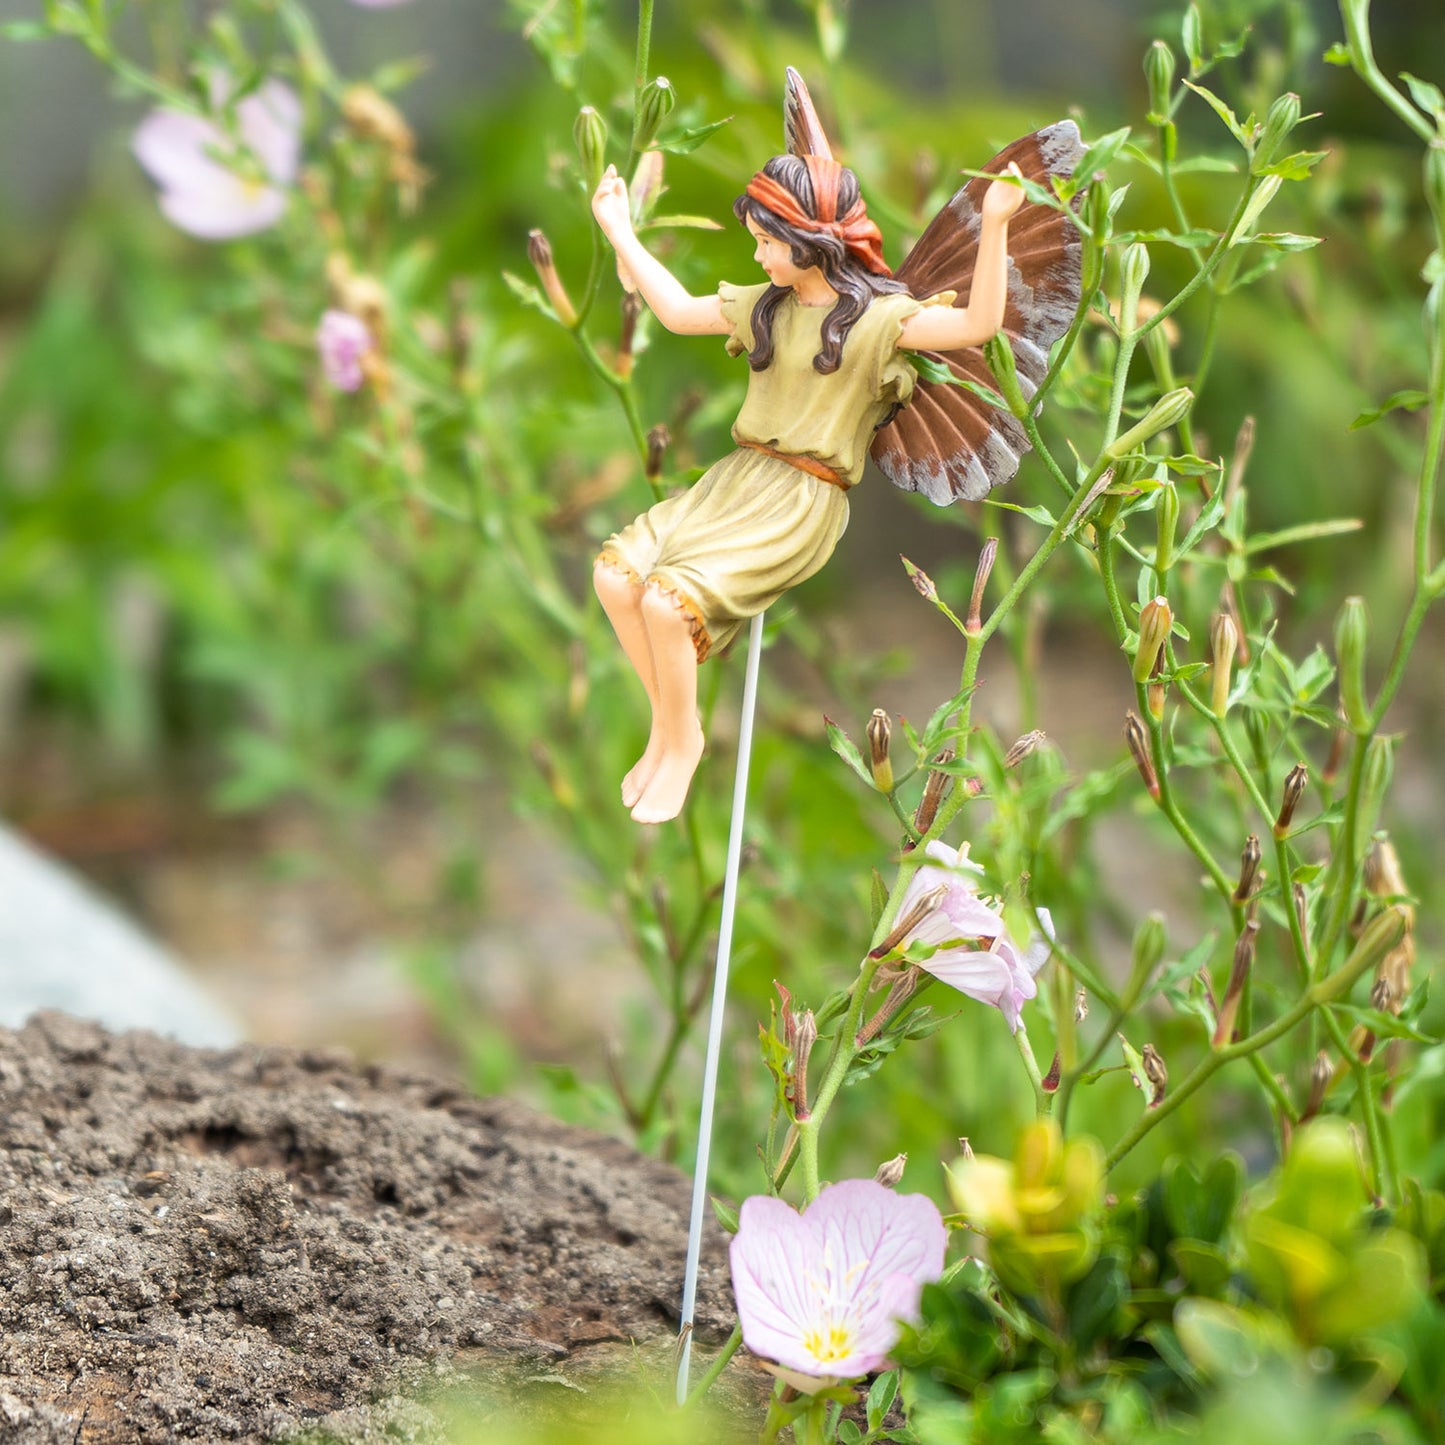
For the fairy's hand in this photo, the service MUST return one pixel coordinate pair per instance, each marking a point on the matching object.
(1003, 198)
(611, 205)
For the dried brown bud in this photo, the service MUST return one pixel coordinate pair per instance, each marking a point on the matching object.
(1338, 743)
(1138, 742)
(1234, 991)
(1383, 877)
(934, 792)
(631, 308)
(973, 623)
(1302, 912)
(902, 988)
(966, 1149)
(1248, 869)
(890, 1174)
(1154, 696)
(880, 735)
(1024, 747)
(658, 441)
(374, 117)
(1156, 1072)
(922, 582)
(539, 252)
(1294, 786)
(1081, 1005)
(805, 1035)
(923, 906)
(1321, 1072)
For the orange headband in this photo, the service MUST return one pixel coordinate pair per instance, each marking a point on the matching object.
(860, 235)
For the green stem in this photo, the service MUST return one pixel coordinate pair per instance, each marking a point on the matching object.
(1384, 1184)
(639, 79)
(714, 1370)
(1317, 996)
(1043, 1102)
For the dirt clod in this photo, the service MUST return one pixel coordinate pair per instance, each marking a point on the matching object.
(235, 1246)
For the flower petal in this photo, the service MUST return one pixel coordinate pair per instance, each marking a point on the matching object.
(224, 212)
(270, 123)
(172, 148)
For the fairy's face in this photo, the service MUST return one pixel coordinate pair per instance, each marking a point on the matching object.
(776, 257)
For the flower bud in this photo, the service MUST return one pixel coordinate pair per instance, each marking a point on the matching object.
(973, 623)
(935, 790)
(631, 308)
(1024, 747)
(1234, 990)
(1156, 1072)
(1301, 899)
(805, 1035)
(646, 185)
(658, 99)
(1383, 877)
(1133, 271)
(539, 252)
(1248, 869)
(922, 583)
(1435, 181)
(1138, 742)
(1166, 518)
(890, 1174)
(1172, 407)
(1150, 940)
(1155, 622)
(1350, 642)
(1154, 696)
(1159, 72)
(880, 734)
(1223, 640)
(589, 132)
(1050, 1081)
(1379, 769)
(1294, 785)
(1279, 121)
(1321, 1072)
(999, 353)
(658, 441)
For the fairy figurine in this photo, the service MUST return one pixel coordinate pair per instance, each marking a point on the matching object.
(827, 338)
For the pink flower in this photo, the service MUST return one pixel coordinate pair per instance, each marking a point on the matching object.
(821, 1293)
(207, 187)
(343, 339)
(983, 961)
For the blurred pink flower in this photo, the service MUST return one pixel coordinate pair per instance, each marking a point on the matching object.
(202, 172)
(821, 1293)
(990, 966)
(342, 340)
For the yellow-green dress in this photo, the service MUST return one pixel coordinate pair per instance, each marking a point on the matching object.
(755, 525)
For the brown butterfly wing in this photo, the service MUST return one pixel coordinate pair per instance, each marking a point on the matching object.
(948, 442)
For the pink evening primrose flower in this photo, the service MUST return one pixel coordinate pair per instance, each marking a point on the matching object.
(204, 185)
(342, 340)
(821, 1293)
(990, 966)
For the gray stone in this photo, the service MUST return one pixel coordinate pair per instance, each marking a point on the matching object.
(64, 947)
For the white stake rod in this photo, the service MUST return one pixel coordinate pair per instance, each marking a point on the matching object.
(719, 1002)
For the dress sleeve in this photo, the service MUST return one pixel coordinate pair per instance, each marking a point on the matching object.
(737, 309)
(896, 375)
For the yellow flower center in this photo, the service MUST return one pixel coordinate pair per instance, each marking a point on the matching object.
(826, 1344)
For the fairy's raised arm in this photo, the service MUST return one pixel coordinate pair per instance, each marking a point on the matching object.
(671, 302)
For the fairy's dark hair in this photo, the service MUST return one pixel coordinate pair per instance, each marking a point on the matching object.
(855, 284)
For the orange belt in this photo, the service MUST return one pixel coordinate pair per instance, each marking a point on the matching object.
(811, 465)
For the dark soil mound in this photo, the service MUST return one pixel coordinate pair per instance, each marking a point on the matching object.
(212, 1246)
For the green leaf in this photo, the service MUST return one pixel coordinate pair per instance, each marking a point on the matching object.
(881, 1395)
(1223, 112)
(1427, 96)
(22, 31)
(1041, 515)
(1296, 167)
(1102, 153)
(1094, 1302)
(684, 142)
(1216, 1338)
(694, 223)
(1305, 532)
(1284, 241)
(1397, 401)
(1196, 239)
(1385, 1025)
(1134, 1062)
(1191, 33)
(843, 745)
(1205, 1267)
(1338, 54)
(527, 294)
(726, 1214)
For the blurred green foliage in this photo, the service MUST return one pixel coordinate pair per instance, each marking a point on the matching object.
(205, 551)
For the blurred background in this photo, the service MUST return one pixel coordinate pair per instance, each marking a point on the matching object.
(329, 786)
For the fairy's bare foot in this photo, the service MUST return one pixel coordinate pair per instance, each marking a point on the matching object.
(635, 783)
(667, 791)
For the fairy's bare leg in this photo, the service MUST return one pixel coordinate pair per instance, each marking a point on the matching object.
(669, 629)
(621, 598)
